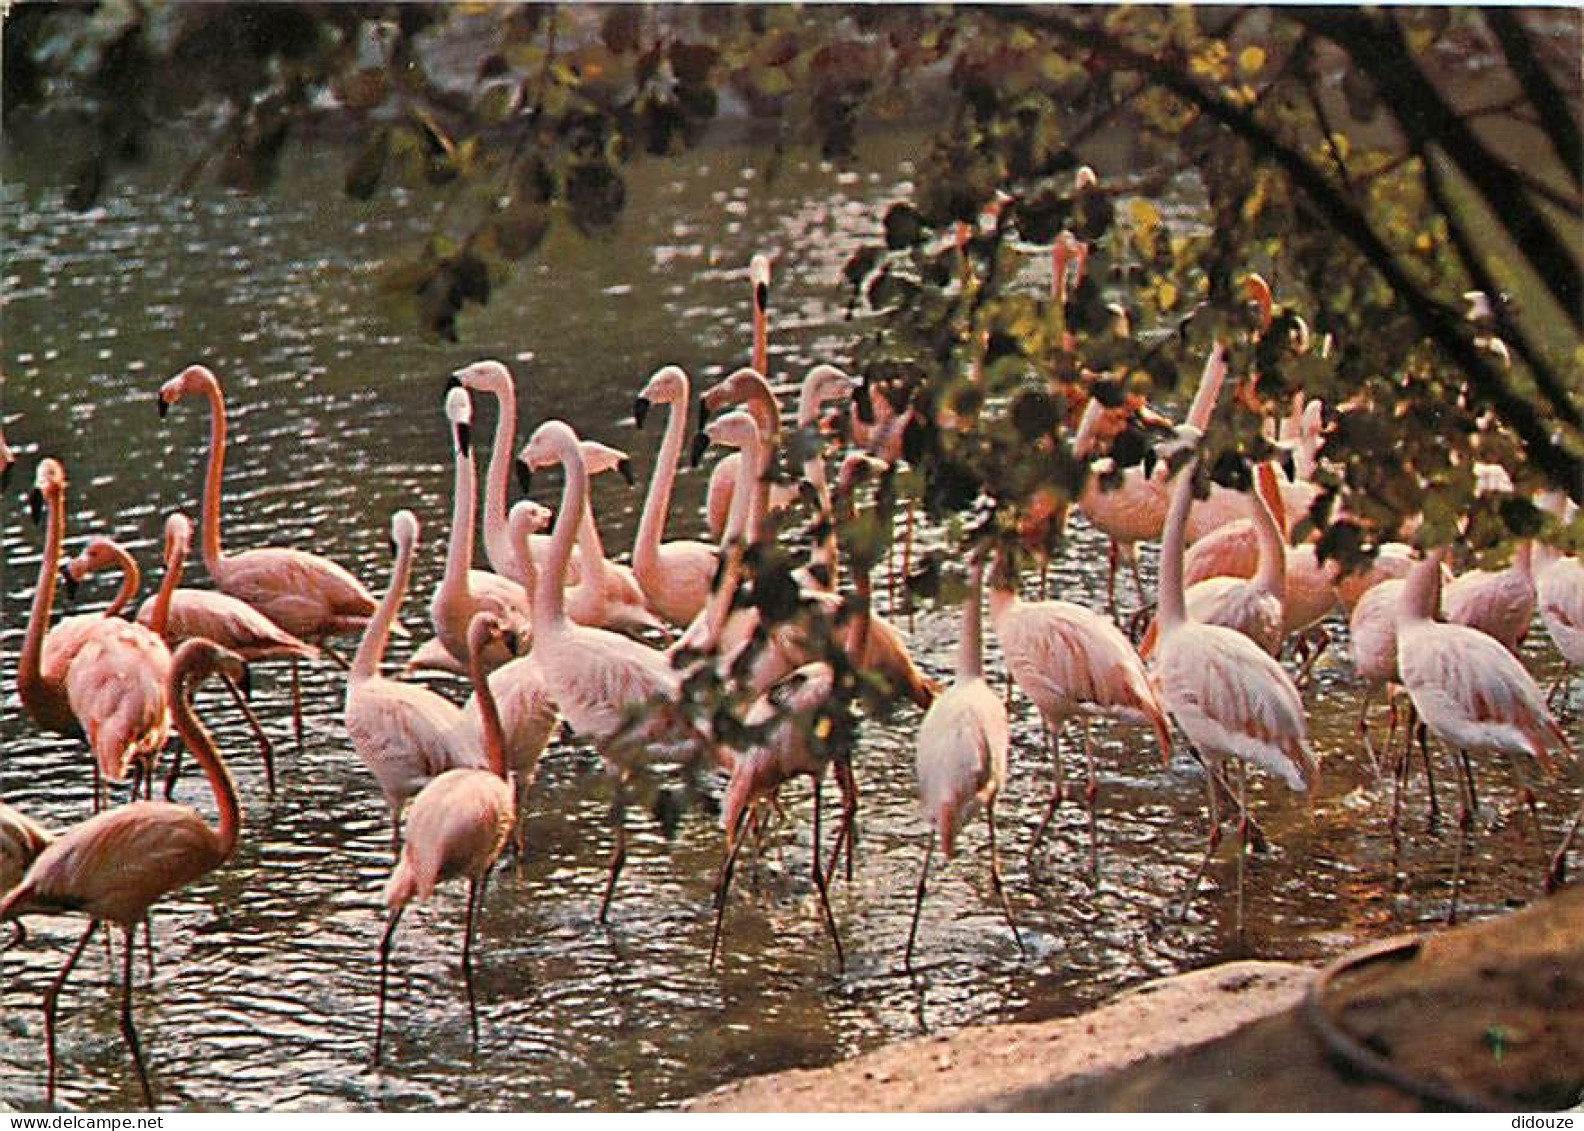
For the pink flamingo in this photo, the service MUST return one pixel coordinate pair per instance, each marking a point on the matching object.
(675, 576)
(722, 478)
(47, 653)
(1470, 691)
(309, 596)
(1072, 662)
(21, 840)
(522, 697)
(405, 734)
(116, 683)
(1229, 697)
(1252, 606)
(1559, 590)
(1500, 603)
(608, 594)
(230, 623)
(463, 591)
(115, 865)
(613, 690)
(1372, 633)
(961, 758)
(456, 829)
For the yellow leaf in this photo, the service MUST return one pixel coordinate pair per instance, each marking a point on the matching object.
(1168, 296)
(1251, 60)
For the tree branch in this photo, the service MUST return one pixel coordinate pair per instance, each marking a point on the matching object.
(1548, 101)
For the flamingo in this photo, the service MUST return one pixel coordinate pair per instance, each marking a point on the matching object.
(115, 865)
(233, 624)
(961, 757)
(456, 828)
(749, 388)
(7, 458)
(1471, 692)
(309, 596)
(405, 734)
(675, 576)
(1252, 606)
(1559, 590)
(722, 478)
(463, 591)
(1372, 632)
(608, 595)
(617, 692)
(821, 385)
(47, 654)
(522, 697)
(21, 840)
(1071, 661)
(117, 681)
(1500, 603)
(1229, 697)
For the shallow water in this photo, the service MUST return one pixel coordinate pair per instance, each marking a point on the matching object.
(263, 992)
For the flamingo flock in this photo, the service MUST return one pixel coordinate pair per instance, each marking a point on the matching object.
(720, 658)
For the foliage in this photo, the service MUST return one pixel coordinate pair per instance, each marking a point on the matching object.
(1373, 165)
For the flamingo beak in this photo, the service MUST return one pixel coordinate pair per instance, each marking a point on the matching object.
(452, 382)
(762, 297)
(245, 682)
(1289, 463)
(391, 542)
(524, 477)
(703, 415)
(464, 438)
(701, 442)
(164, 405)
(36, 506)
(640, 411)
(864, 406)
(511, 640)
(5, 475)
(625, 468)
(69, 581)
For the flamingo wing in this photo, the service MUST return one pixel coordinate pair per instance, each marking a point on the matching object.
(456, 827)
(307, 595)
(405, 735)
(227, 621)
(116, 687)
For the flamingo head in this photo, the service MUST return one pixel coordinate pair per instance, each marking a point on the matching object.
(1258, 292)
(178, 535)
(600, 458)
(823, 383)
(486, 629)
(856, 468)
(199, 658)
(668, 385)
(49, 486)
(735, 430)
(528, 517)
(552, 442)
(746, 386)
(485, 376)
(1085, 179)
(403, 531)
(194, 380)
(759, 277)
(99, 554)
(459, 411)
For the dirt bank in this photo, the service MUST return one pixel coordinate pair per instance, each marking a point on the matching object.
(1493, 1009)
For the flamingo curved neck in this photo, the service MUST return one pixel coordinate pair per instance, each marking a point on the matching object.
(1271, 576)
(651, 525)
(970, 646)
(489, 713)
(371, 650)
(549, 600)
(1209, 390)
(213, 556)
(203, 749)
(1171, 603)
(131, 578)
(40, 697)
(717, 610)
(1421, 593)
(464, 501)
(498, 545)
(175, 562)
(1523, 560)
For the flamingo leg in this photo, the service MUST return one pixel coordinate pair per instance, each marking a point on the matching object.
(384, 968)
(1243, 842)
(1212, 842)
(148, 943)
(819, 885)
(1424, 750)
(467, 955)
(846, 832)
(1053, 740)
(297, 719)
(128, 1030)
(265, 749)
(1138, 579)
(1465, 825)
(1556, 875)
(618, 855)
(335, 657)
(1111, 569)
(995, 878)
(734, 843)
(173, 774)
(50, 997)
(1091, 793)
(918, 903)
(1364, 733)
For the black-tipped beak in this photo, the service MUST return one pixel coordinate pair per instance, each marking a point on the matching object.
(245, 682)
(69, 581)
(863, 405)
(701, 442)
(640, 411)
(1288, 463)
(524, 477)
(36, 506)
(391, 542)
(464, 438)
(452, 382)
(5, 475)
(703, 416)
(511, 640)
(1151, 458)
(625, 468)
(164, 405)
(761, 296)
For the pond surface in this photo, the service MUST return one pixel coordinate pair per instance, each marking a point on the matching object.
(263, 994)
